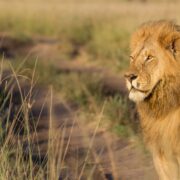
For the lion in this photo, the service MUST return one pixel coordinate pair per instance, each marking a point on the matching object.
(153, 82)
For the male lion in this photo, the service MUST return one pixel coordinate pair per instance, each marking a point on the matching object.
(153, 81)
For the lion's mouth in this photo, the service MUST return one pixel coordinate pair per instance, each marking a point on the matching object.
(140, 90)
(148, 91)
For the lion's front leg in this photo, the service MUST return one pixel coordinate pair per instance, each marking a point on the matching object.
(160, 167)
(166, 167)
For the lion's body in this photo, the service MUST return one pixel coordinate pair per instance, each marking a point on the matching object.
(162, 136)
(154, 84)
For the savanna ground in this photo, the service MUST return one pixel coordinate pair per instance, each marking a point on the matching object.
(64, 109)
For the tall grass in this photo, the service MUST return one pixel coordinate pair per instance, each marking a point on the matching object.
(16, 158)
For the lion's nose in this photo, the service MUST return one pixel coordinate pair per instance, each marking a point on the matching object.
(130, 76)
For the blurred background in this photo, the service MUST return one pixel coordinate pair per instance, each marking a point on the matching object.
(64, 107)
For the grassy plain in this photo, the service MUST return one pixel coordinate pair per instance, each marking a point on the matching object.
(85, 34)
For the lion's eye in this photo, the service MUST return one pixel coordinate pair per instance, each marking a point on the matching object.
(148, 58)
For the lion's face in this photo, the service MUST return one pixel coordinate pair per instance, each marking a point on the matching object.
(145, 72)
(150, 61)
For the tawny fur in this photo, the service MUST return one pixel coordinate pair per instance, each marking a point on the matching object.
(160, 110)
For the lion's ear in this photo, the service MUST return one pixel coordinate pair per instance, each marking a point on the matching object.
(175, 47)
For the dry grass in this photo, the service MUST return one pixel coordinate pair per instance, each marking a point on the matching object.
(51, 17)
(100, 32)
(16, 159)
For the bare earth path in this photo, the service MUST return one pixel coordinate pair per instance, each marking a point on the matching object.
(112, 156)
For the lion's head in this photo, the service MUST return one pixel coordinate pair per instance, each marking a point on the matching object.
(155, 56)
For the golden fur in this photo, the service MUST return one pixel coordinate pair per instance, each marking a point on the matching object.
(153, 81)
